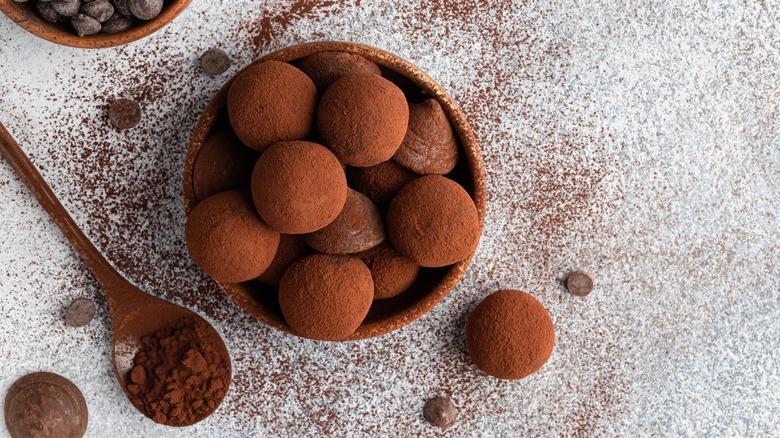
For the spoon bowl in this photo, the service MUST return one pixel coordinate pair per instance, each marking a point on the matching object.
(134, 313)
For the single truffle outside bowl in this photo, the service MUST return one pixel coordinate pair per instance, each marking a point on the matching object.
(26, 16)
(432, 285)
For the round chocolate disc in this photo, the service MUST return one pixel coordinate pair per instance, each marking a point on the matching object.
(215, 62)
(44, 405)
(579, 284)
(80, 313)
(124, 113)
(440, 412)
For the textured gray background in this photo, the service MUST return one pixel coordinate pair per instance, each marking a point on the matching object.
(636, 140)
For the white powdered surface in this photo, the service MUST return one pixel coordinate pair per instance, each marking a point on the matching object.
(639, 141)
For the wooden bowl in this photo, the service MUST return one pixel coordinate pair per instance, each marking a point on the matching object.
(25, 15)
(432, 285)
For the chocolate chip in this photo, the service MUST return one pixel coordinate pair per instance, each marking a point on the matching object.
(145, 9)
(215, 62)
(67, 8)
(45, 405)
(579, 284)
(80, 313)
(440, 412)
(124, 113)
(117, 23)
(85, 25)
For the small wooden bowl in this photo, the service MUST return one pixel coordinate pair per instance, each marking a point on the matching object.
(25, 15)
(432, 285)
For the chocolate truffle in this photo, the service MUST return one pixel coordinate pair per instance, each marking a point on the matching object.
(357, 228)
(227, 239)
(271, 102)
(298, 187)
(510, 335)
(392, 272)
(222, 164)
(434, 222)
(325, 68)
(381, 182)
(45, 405)
(326, 297)
(429, 146)
(291, 248)
(363, 117)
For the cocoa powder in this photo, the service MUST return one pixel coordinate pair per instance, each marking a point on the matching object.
(178, 377)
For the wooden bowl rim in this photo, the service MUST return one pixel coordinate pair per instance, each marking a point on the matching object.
(236, 292)
(33, 23)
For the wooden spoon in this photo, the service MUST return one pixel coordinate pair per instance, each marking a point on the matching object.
(134, 313)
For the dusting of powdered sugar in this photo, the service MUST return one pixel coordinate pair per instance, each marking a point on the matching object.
(637, 142)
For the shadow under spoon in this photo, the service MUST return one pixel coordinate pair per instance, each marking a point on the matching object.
(134, 313)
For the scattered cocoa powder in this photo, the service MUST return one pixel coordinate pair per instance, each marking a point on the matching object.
(381, 182)
(429, 146)
(228, 240)
(325, 68)
(434, 222)
(392, 273)
(510, 335)
(357, 228)
(326, 297)
(178, 377)
(271, 102)
(298, 187)
(362, 118)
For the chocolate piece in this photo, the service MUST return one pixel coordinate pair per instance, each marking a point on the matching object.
(271, 102)
(227, 239)
(363, 118)
(45, 405)
(291, 248)
(215, 62)
(100, 10)
(392, 273)
(123, 7)
(124, 113)
(434, 222)
(579, 284)
(47, 12)
(326, 297)
(298, 187)
(66, 8)
(325, 68)
(117, 23)
(145, 9)
(440, 412)
(80, 313)
(223, 163)
(429, 147)
(357, 228)
(510, 335)
(85, 25)
(381, 182)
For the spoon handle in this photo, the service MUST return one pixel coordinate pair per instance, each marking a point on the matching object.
(105, 274)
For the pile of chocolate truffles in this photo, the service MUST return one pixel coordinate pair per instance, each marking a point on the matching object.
(328, 183)
(89, 17)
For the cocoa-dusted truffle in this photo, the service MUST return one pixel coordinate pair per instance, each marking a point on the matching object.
(227, 239)
(326, 297)
(325, 68)
(392, 272)
(433, 221)
(271, 102)
(510, 335)
(429, 146)
(223, 163)
(298, 187)
(357, 228)
(381, 182)
(363, 118)
(291, 248)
